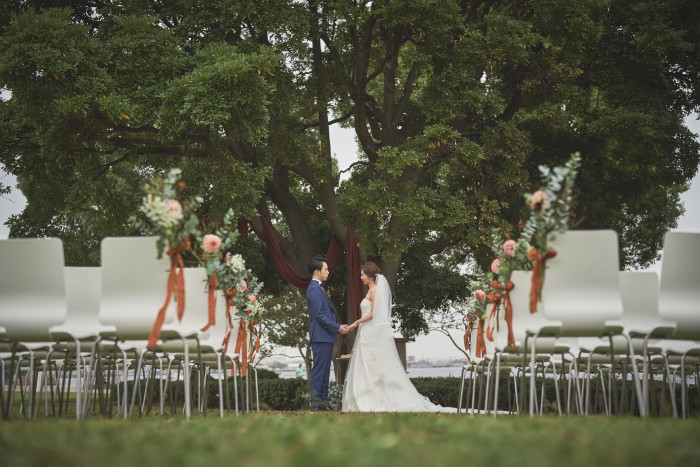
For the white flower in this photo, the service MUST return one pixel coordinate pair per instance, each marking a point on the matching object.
(255, 308)
(236, 263)
(161, 213)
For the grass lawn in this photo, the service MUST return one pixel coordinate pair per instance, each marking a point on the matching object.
(302, 439)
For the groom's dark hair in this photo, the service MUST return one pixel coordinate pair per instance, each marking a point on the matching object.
(316, 264)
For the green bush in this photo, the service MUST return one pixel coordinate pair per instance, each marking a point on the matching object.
(266, 374)
(441, 391)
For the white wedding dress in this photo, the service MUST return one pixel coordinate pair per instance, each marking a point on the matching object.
(376, 380)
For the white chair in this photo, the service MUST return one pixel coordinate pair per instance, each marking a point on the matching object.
(134, 284)
(82, 325)
(32, 300)
(582, 292)
(640, 293)
(523, 321)
(212, 349)
(679, 296)
(194, 319)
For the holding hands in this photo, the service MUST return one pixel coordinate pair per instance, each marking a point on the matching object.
(347, 328)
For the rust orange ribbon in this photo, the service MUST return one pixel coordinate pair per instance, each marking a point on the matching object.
(242, 346)
(495, 300)
(176, 285)
(537, 274)
(467, 335)
(247, 355)
(480, 343)
(211, 302)
(229, 295)
(508, 306)
(256, 335)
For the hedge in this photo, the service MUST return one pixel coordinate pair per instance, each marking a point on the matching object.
(292, 394)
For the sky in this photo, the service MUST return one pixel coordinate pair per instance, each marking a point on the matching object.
(435, 345)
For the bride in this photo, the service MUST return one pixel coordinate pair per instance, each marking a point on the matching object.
(376, 380)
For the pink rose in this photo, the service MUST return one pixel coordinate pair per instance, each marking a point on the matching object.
(173, 205)
(539, 201)
(495, 265)
(211, 243)
(252, 298)
(480, 295)
(509, 247)
(244, 285)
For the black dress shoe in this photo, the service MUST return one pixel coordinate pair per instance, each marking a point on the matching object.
(315, 409)
(327, 408)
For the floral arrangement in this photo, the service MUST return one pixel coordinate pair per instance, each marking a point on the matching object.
(227, 272)
(511, 255)
(169, 217)
(475, 311)
(550, 213)
(173, 221)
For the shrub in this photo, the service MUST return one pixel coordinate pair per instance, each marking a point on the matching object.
(266, 374)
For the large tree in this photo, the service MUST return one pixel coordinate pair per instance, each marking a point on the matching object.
(453, 104)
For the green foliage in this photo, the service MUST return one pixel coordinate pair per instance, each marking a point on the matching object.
(551, 206)
(287, 323)
(282, 394)
(454, 108)
(266, 374)
(440, 391)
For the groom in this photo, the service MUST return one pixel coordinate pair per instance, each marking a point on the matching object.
(323, 331)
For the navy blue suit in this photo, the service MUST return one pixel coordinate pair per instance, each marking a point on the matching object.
(323, 331)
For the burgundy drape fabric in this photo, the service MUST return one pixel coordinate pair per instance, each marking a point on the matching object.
(301, 282)
(335, 250)
(243, 227)
(353, 262)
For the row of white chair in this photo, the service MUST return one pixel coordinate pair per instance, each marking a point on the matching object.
(589, 309)
(46, 307)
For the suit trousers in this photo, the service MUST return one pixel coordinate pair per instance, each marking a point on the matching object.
(320, 372)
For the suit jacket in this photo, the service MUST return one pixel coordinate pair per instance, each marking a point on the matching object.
(322, 324)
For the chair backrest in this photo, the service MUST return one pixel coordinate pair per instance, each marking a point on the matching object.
(582, 282)
(134, 286)
(83, 288)
(523, 320)
(32, 289)
(196, 302)
(640, 300)
(679, 295)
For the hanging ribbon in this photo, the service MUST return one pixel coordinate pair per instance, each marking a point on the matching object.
(242, 346)
(176, 285)
(211, 302)
(480, 343)
(495, 300)
(256, 335)
(538, 274)
(467, 335)
(228, 295)
(508, 307)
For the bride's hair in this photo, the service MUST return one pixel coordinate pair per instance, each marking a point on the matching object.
(370, 269)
